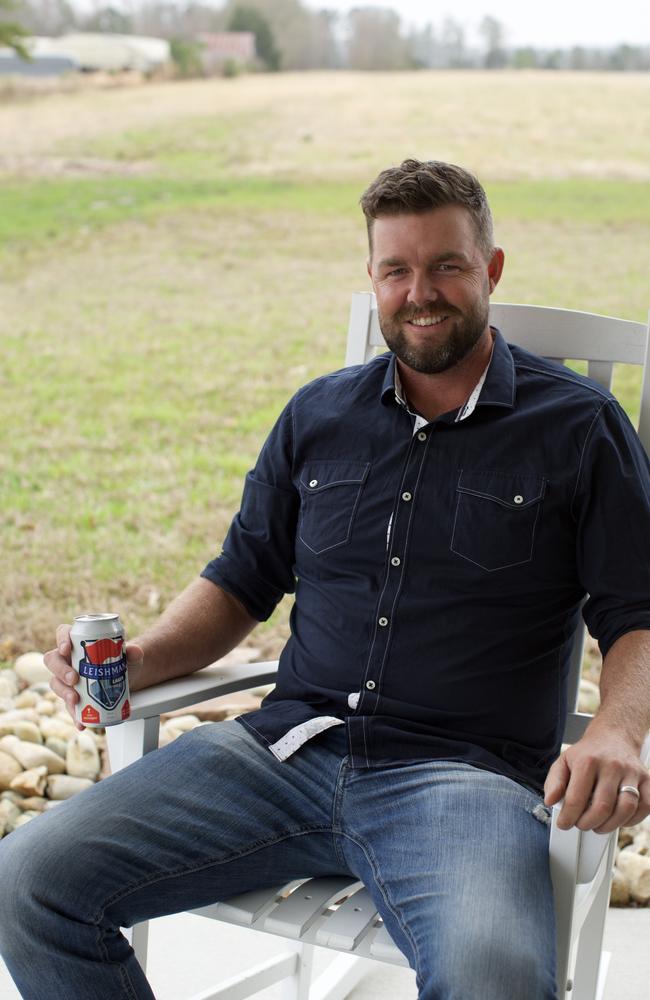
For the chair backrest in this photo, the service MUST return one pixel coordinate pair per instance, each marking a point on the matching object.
(559, 335)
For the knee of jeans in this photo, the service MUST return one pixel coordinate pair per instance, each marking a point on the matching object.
(491, 969)
(31, 869)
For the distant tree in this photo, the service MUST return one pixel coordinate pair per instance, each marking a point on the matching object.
(186, 56)
(525, 58)
(625, 58)
(46, 17)
(552, 60)
(493, 35)
(577, 58)
(375, 40)
(12, 34)
(304, 38)
(250, 19)
(168, 19)
(108, 20)
(322, 50)
(452, 44)
(422, 46)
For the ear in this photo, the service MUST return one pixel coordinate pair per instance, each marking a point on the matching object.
(495, 267)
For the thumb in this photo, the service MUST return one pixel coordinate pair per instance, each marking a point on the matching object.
(134, 654)
(556, 782)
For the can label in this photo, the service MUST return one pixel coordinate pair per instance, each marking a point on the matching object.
(103, 680)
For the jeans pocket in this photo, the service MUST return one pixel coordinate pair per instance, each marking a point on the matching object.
(496, 517)
(329, 496)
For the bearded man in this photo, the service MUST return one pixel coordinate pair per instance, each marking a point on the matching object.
(440, 513)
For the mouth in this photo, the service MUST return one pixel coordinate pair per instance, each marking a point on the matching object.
(427, 322)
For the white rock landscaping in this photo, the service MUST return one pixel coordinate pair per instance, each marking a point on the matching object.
(44, 759)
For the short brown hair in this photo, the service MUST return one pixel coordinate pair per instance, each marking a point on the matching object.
(419, 186)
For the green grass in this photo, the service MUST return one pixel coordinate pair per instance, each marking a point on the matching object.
(32, 212)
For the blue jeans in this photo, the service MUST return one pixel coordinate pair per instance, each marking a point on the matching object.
(454, 857)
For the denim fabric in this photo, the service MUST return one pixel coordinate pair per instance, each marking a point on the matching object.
(456, 859)
(440, 574)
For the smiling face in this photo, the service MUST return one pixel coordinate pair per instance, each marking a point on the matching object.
(433, 285)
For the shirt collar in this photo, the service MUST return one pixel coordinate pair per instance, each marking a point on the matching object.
(498, 388)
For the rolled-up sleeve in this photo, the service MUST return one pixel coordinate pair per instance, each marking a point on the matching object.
(256, 564)
(612, 509)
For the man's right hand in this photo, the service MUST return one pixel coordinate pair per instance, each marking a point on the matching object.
(58, 662)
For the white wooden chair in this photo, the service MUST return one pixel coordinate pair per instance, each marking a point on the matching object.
(334, 912)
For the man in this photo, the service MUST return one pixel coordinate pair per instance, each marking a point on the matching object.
(440, 513)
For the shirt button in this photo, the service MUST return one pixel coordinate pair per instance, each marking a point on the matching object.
(519, 499)
(313, 482)
(383, 621)
(396, 560)
(406, 496)
(422, 436)
(371, 685)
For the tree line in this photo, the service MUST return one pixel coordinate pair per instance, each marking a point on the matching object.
(290, 36)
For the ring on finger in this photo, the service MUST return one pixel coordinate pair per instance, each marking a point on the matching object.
(631, 790)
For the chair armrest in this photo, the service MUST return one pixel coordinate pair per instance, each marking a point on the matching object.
(583, 850)
(211, 682)
(139, 734)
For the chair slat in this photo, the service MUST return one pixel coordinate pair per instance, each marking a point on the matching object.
(247, 907)
(552, 333)
(347, 925)
(601, 372)
(295, 914)
(384, 948)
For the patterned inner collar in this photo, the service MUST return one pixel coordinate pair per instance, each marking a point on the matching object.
(464, 411)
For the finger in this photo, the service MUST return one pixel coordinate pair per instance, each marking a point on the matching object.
(66, 693)
(60, 667)
(64, 645)
(608, 808)
(636, 809)
(578, 793)
(556, 781)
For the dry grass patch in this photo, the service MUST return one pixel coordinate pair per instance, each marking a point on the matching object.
(348, 125)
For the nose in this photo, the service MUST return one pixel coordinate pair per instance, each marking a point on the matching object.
(422, 289)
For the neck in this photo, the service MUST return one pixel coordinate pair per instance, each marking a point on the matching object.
(432, 395)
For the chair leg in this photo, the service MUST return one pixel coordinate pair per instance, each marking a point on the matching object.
(297, 986)
(138, 938)
(335, 982)
(591, 964)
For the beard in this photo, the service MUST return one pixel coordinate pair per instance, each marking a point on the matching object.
(436, 356)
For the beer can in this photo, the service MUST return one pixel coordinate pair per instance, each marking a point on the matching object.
(99, 657)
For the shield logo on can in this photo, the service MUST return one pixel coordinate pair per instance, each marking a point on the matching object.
(104, 664)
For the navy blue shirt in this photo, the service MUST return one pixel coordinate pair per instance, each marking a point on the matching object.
(440, 574)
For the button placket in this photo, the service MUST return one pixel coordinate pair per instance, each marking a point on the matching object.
(387, 602)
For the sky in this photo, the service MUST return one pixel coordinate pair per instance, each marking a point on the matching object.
(551, 23)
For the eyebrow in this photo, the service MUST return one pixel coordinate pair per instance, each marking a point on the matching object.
(438, 259)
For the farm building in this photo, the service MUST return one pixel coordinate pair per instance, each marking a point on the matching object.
(13, 65)
(220, 47)
(88, 52)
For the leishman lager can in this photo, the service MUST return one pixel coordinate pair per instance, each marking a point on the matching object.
(99, 657)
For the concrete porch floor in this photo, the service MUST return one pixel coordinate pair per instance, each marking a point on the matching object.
(188, 954)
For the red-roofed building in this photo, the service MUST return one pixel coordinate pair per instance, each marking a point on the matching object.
(220, 47)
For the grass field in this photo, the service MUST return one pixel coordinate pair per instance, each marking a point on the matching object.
(176, 259)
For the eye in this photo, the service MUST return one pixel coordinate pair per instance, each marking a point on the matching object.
(396, 272)
(448, 268)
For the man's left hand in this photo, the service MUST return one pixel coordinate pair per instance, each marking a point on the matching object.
(589, 776)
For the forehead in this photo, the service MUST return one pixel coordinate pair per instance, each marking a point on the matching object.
(424, 233)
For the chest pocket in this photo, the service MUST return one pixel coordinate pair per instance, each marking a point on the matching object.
(496, 517)
(329, 496)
